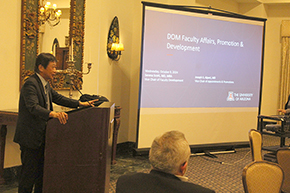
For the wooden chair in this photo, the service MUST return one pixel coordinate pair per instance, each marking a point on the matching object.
(262, 177)
(283, 159)
(255, 139)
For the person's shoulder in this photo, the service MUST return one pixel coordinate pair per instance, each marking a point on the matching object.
(162, 183)
(183, 186)
(31, 79)
(131, 179)
(133, 176)
(196, 187)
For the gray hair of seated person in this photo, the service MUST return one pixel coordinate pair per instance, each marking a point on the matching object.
(169, 151)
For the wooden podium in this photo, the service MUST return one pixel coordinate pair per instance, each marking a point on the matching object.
(78, 154)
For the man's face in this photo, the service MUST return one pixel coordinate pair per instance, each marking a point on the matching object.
(48, 72)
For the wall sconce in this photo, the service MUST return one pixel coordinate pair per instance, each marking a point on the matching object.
(117, 49)
(114, 48)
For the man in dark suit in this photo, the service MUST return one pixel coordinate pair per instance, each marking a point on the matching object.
(35, 109)
(169, 155)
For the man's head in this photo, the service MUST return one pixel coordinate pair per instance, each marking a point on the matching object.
(45, 65)
(170, 153)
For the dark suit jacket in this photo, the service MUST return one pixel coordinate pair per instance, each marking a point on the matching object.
(33, 113)
(287, 103)
(156, 182)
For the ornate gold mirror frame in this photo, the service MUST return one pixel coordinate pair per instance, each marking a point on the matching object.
(30, 40)
(113, 37)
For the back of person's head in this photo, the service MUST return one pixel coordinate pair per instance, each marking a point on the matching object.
(43, 59)
(169, 151)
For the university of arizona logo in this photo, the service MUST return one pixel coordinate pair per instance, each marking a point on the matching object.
(231, 96)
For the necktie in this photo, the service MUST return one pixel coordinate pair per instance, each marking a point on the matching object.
(47, 97)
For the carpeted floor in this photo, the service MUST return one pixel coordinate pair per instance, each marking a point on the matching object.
(222, 174)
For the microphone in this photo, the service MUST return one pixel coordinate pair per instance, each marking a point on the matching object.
(87, 97)
(70, 83)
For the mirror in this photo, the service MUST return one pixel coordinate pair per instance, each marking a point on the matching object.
(32, 41)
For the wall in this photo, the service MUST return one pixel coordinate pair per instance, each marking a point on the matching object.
(119, 81)
(274, 13)
(10, 53)
(10, 67)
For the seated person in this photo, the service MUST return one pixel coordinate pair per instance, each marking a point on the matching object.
(276, 127)
(169, 155)
(286, 111)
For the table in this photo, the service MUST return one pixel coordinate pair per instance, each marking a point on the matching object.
(7, 117)
(282, 134)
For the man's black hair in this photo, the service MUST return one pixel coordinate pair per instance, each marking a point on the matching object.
(43, 59)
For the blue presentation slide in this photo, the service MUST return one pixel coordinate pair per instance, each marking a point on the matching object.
(191, 61)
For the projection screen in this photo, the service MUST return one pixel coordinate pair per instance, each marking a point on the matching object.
(201, 74)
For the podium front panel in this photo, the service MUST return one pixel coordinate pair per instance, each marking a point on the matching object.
(78, 154)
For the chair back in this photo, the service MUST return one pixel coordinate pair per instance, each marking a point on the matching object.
(255, 139)
(262, 177)
(283, 159)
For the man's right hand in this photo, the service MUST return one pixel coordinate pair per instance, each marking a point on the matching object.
(61, 116)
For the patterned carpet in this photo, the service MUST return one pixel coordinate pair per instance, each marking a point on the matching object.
(222, 174)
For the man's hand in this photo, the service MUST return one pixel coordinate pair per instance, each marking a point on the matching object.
(88, 103)
(282, 110)
(61, 116)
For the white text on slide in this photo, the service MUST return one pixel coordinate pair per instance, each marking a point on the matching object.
(161, 76)
(198, 40)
